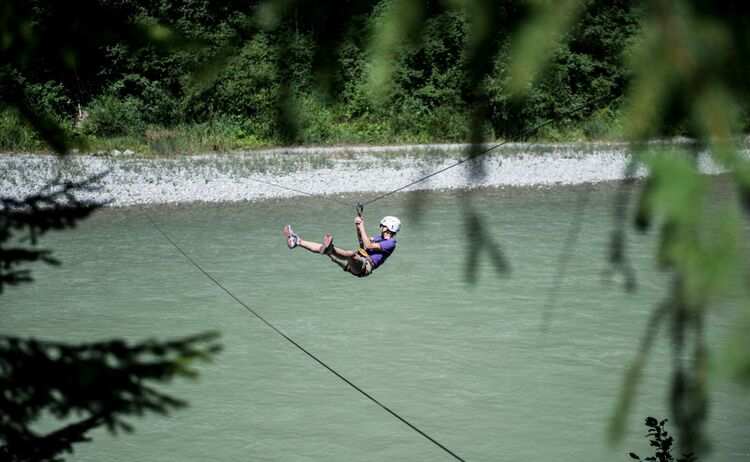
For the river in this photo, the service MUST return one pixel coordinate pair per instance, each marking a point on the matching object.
(496, 328)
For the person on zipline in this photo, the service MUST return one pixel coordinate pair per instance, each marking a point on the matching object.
(361, 262)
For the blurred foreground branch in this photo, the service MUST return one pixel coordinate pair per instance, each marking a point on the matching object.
(83, 386)
(57, 206)
(97, 384)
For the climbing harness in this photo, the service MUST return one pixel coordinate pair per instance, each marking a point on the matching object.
(366, 256)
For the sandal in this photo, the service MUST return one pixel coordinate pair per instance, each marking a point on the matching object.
(292, 240)
(327, 245)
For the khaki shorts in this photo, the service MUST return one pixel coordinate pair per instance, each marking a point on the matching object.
(362, 268)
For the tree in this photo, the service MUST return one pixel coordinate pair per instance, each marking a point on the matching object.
(88, 385)
(681, 83)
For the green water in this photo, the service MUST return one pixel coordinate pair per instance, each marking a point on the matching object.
(467, 363)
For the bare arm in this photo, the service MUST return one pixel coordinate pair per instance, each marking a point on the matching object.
(363, 237)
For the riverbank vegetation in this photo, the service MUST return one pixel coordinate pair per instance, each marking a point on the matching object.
(220, 79)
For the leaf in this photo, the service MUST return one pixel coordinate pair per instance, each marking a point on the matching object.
(537, 39)
(398, 22)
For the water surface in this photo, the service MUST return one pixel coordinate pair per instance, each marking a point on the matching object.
(467, 362)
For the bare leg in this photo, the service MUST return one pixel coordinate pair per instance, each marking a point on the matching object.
(311, 246)
(343, 263)
(341, 253)
(347, 256)
(293, 240)
(344, 258)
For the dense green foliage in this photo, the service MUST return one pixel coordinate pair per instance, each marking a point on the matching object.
(236, 81)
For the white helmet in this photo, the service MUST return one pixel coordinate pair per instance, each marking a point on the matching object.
(392, 223)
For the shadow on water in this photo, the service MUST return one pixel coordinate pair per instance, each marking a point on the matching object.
(566, 253)
(480, 242)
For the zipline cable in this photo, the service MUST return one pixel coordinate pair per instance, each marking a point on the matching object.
(289, 339)
(360, 205)
(491, 148)
(296, 190)
(359, 208)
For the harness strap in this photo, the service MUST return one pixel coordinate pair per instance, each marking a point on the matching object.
(364, 253)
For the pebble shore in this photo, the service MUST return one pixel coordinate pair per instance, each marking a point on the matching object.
(251, 176)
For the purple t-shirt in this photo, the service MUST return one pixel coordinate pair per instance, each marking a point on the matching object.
(387, 246)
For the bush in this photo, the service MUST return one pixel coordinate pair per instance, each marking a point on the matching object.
(603, 124)
(156, 102)
(247, 86)
(51, 98)
(315, 121)
(660, 440)
(109, 116)
(15, 134)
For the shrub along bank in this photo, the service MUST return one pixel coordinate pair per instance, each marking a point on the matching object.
(229, 84)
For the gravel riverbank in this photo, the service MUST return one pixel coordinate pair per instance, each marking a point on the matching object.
(246, 176)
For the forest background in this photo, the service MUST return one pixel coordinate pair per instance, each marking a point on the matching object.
(219, 79)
